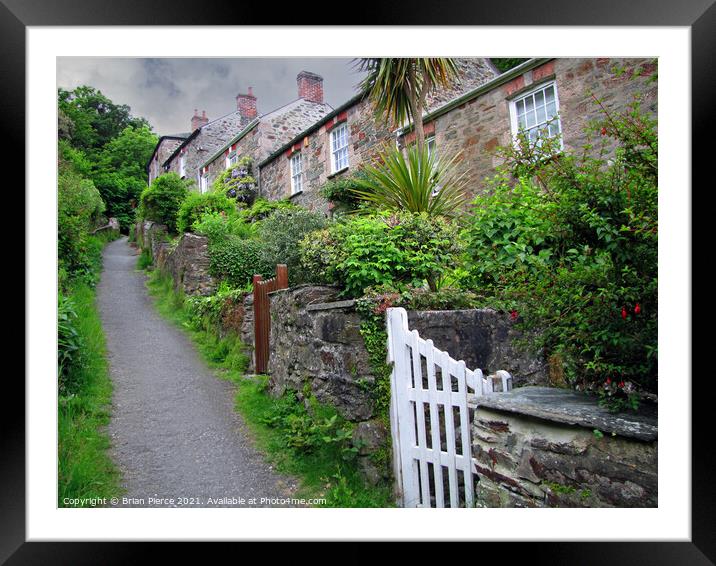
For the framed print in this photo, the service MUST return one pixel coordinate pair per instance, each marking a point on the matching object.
(237, 243)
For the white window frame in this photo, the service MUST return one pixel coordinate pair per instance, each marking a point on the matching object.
(204, 182)
(342, 127)
(530, 93)
(296, 169)
(430, 141)
(232, 159)
(182, 166)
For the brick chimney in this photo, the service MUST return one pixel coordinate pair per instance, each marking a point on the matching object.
(198, 121)
(246, 105)
(310, 86)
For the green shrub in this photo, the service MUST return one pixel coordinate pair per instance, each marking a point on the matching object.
(79, 210)
(160, 202)
(397, 250)
(341, 192)
(280, 234)
(413, 180)
(237, 260)
(572, 247)
(263, 208)
(237, 182)
(217, 227)
(196, 204)
(69, 344)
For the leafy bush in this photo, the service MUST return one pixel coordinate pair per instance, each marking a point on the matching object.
(280, 233)
(263, 208)
(197, 204)
(79, 209)
(69, 343)
(217, 227)
(413, 180)
(237, 260)
(396, 250)
(572, 246)
(341, 192)
(237, 182)
(160, 202)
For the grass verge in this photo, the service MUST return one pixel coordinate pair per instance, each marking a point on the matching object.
(306, 440)
(85, 470)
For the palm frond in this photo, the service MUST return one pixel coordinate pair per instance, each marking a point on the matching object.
(415, 181)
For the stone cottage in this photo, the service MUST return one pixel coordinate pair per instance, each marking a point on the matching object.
(164, 148)
(554, 97)
(346, 138)
(264, 134)
(213, 146)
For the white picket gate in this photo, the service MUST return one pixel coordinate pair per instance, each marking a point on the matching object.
(430, 418)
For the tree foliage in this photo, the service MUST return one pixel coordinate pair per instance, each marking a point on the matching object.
(399, 87)
(413, 180)
(106, 144)
(94, 118)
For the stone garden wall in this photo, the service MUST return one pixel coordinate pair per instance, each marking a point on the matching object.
(187, 261)
(485, 339)
(537, 447)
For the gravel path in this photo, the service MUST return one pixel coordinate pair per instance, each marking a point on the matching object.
(175, 433)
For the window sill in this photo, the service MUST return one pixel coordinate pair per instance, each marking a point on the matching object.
(295, 194)
(335, 174)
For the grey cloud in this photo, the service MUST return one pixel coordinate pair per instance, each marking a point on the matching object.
(167, 90)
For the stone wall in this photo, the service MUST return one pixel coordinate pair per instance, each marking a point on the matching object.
(186, 260)
(536, 447)
(188, 264)
(483, 338)
(316, 342)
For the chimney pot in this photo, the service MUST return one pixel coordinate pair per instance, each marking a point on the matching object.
(198, 121)
(310, 86)
(246, 105)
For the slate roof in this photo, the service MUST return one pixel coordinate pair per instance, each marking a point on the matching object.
(288, 119)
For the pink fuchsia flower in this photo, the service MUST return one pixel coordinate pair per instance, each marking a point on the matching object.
(637, 308)
(514, 314)
(624, 313)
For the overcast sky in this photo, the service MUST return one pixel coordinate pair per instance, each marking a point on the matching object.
(166, 91)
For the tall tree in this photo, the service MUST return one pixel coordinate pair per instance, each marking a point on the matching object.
(95, 119)
(399, 87)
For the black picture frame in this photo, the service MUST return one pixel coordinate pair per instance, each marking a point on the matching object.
(699, 15)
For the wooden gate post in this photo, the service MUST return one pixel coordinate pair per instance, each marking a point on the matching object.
(262, 314)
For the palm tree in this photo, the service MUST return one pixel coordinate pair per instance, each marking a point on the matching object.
(399, 87)
(414, 181)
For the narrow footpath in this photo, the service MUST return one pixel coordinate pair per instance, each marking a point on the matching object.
(175, 434)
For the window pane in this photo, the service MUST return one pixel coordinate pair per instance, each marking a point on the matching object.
(551, 110)
(549, 93)
(530, 119)
(529, 104)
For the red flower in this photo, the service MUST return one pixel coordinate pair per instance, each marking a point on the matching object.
(624, 313)
(621, 384)
(514, 314)
(609, 380)
(637, 308)
(604, 131)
